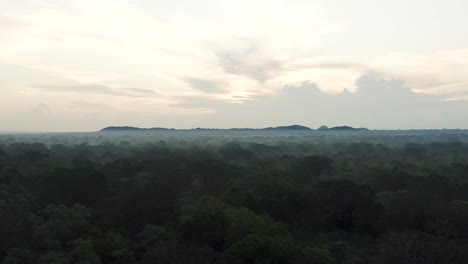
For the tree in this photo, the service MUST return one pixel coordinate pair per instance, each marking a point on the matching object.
(144, 203)
(69, 186)
(205, 227)
(262, 249)
(83, 252)
(62, 223)
(310, 168)
(317, 256)
(341, 205)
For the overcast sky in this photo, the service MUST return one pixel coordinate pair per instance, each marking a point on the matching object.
(80, 65)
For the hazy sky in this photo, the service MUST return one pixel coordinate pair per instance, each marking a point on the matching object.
(79, 65)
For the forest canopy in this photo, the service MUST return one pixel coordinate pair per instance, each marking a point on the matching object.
(348, 197)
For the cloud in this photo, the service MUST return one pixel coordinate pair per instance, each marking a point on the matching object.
(33, 118)
(379, 102)
(91, 105)
(99, 89)
(326, 65)
(39, 110)
(72, 39)
(89, 42)
(143, 92)
(440, 73)
(207, 86)
(8, 23)
(247, 58)
(224, 58)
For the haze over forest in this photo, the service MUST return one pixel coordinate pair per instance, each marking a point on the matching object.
(80, 65)
(233, 132)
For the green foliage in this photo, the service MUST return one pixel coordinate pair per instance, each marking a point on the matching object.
(62, 223)
(194, 201)
(262, 249)
(205, 228)
(19, 256)
(342, 205)
(317, 256)
(83, 252)
(243, 222)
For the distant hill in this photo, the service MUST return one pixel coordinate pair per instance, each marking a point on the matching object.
(129, 128)
(344, 128)
(293, 127)
(278, 128)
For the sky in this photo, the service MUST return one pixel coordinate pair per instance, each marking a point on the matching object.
(80, 65)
